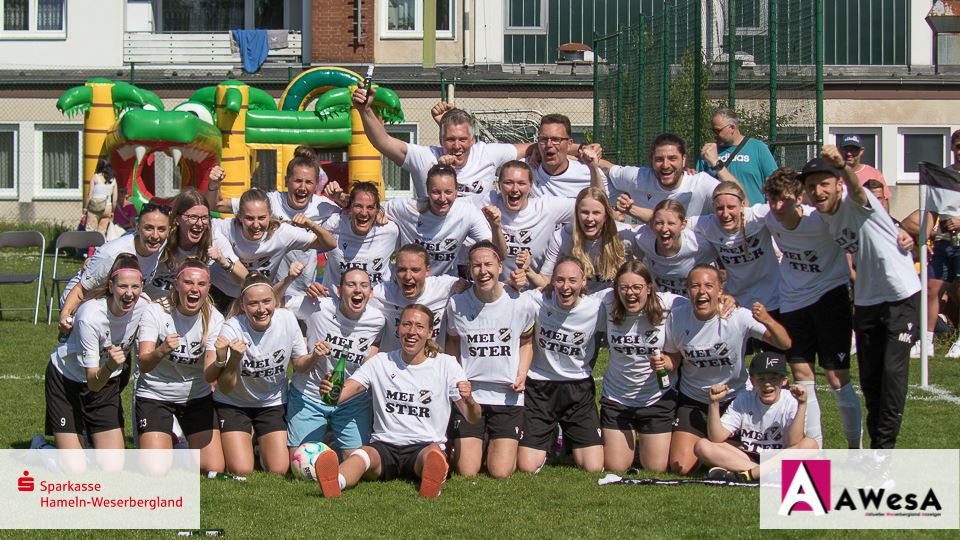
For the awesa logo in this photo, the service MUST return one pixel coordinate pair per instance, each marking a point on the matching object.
(805, 486)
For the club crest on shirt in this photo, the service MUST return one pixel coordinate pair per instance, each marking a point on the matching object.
(578, 338)
(651, 336)
(721, 349)
(378, 264)
(504, 334)
(426, 396)
(810, 255)
(449, 244)
(363, 343)
(525, 236)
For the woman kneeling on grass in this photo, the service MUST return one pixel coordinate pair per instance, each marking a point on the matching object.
(86, 371)
(411, 390)
(177, 337)
(254, 348)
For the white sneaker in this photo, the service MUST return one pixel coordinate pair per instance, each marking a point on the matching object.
(954, 351)
(915, 350)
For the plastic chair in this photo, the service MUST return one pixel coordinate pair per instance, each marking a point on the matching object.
(82, 240)
(23, 239)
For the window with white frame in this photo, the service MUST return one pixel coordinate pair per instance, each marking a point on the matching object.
(34, 17)
(60, 159)
(404, 18)
(8, 161)
(920, 144)
(526, 16)
(396, 181)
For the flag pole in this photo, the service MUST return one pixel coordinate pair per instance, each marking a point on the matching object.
(924, 297)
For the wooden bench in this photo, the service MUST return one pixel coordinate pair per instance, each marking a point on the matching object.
(189, 48)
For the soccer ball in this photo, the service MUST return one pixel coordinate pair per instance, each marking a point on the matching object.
(301, 465)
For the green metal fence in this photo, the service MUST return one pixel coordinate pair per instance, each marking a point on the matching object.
(672, 68)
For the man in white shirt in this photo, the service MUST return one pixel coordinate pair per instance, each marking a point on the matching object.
(476, 163)
(557, 174)
(886, 294)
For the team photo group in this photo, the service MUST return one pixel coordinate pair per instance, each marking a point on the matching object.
(457, 332)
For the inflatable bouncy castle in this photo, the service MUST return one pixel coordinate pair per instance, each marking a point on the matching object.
(226, 124)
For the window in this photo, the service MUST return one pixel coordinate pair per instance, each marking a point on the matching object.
(396, 181)
(8, 162)
(526, 16)
(34, 18)
(60, 160)
(166, 177)
(920, 144)
(919, 147)
(199, 15)
(751, 17)
(869, 142)
(404, 18)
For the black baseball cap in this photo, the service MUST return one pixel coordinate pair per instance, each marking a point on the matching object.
(768, 362)
(818, 165)
(852, 140)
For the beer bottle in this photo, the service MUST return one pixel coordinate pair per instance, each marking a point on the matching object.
(336, 381)
(663, 376)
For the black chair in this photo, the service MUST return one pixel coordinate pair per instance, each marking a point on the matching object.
(24, 239)
(82, 240)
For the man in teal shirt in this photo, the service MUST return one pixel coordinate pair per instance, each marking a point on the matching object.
(752, 162)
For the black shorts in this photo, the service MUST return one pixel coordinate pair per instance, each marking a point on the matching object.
(397, 461)
(499, 421)
(263, 420)
(755, 345)
(822, 330)
(572, 404)
(692, 415)
(73, 408)
(657, 418)
(945, 263)
(194, 416)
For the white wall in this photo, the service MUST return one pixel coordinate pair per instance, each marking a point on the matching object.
(94, 39)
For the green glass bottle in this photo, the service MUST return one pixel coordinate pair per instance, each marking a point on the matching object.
(336, 381)
(663, 376)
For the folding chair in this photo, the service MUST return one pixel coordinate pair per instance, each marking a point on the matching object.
(82, 240)
(22, 239)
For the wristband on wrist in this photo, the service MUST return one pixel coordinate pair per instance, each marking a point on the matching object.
(229, 265)
(220, 363)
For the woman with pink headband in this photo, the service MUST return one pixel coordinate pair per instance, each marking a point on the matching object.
(176, 350)
(255, 346)
(87, 371)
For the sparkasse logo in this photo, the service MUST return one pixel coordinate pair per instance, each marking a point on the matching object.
(806, 487)
(25, 482)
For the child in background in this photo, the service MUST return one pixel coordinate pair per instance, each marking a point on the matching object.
(759, 420)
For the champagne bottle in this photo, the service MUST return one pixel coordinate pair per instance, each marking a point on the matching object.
(663, 376)
(336, 381)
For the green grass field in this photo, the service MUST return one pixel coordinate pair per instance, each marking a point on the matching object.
(561, 502)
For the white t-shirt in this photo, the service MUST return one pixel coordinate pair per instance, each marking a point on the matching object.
(884, 273)
(95, 329)
(262, 380)
(530, 229)
(411, 403)
(162, 282)
(442, 236)
(318, 210)
(178, 377)
(371, 251)
(749, 259)
(563, 344)
(328, 323)
(760, 427)
(567, 184)
(811, 263)
(629, 380)
(390, 301)
(694, 192)
(97, 272)
(490, 342)
(670, 272)
(712, 350)
(262, 256)
(476, 175)
(562, 244)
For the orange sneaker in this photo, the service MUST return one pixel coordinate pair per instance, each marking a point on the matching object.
(327, 469)
(434, 474)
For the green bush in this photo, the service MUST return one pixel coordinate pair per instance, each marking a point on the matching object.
(50, 231)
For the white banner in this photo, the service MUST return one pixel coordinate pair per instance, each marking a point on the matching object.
(860, 489)
(100, 489)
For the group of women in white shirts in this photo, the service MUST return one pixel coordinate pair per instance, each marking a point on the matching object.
(494, 360)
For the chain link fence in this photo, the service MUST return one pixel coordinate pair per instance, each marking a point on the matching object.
(677, 64)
